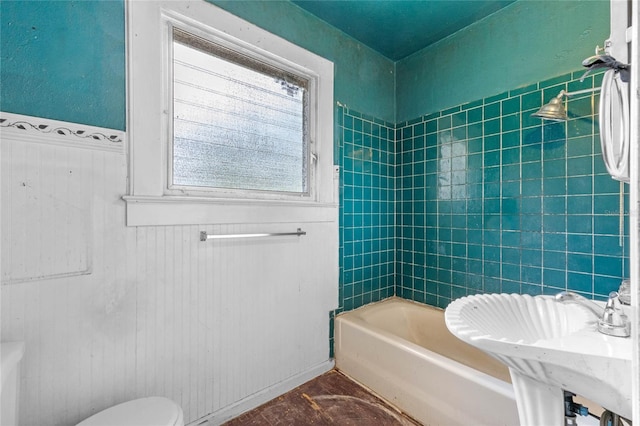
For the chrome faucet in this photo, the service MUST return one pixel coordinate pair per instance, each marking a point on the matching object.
(611, 321)
(571, 297)
(614, 322)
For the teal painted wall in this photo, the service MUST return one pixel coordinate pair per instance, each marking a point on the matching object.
(64, 60)
(364, 79)
(526, 42)
(490, 199)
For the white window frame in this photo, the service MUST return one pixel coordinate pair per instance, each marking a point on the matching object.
(150, 199)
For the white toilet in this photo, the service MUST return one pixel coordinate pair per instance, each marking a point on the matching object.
(152, 411)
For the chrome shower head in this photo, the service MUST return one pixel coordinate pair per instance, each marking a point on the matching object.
(554, 110)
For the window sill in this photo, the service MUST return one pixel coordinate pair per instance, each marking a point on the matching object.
(178, 210)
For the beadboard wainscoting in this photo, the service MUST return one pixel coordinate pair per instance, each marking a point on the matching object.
(110, 313)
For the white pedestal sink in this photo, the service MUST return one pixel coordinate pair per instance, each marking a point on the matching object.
(549, 347)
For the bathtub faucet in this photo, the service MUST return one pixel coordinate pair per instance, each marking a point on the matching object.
(611, 321)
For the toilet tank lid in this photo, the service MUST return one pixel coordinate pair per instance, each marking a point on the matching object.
(151, 411)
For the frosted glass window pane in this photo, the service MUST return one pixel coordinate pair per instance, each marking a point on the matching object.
(237, 123)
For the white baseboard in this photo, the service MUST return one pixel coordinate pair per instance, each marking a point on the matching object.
(257, 399)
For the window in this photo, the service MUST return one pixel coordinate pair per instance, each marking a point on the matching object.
(224, 117)
(237, 123)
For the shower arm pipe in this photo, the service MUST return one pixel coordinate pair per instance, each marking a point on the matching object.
(577, 92)
(204, 236)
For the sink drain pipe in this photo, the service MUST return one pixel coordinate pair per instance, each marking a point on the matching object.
(572, 409)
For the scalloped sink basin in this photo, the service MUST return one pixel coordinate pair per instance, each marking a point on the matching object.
(549, 347)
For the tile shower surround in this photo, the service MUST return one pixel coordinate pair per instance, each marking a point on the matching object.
(366, 155)
(480, 197)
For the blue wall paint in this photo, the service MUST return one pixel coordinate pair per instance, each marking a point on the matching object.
(364, 79)
(491, 199)
(525, 42)
(64, 60)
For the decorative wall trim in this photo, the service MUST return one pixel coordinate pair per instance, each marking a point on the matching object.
(43, 130)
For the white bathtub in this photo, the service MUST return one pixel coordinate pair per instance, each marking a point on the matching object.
(404, 352)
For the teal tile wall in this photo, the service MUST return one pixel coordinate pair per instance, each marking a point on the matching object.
(490, 199)
(365, 152)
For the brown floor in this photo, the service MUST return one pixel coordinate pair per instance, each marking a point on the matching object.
(330, 399)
